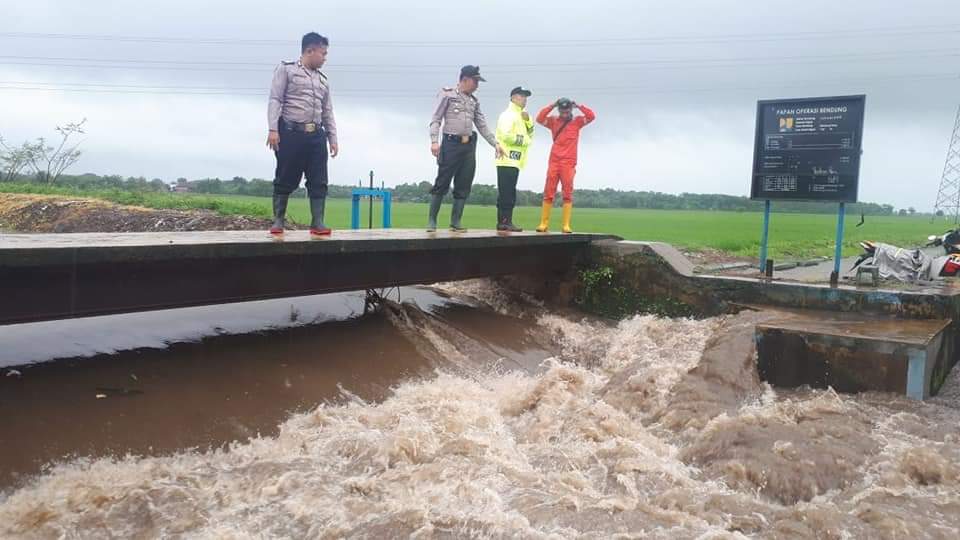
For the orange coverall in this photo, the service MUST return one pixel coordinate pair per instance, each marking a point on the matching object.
(563, 154)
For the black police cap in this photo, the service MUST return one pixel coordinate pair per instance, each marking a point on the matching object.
(472, 72)
(521, 91)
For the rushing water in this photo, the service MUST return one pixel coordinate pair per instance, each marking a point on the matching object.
(444, 418)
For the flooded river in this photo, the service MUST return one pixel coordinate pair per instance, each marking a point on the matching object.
(457, 412)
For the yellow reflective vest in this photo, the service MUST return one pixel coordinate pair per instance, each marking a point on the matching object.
(515, 135)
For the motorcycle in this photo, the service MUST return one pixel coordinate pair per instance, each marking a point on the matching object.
(910, 265)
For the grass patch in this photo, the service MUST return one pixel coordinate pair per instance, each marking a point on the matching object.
(603, 293)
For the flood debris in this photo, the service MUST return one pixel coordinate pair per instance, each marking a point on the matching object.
(116, 392)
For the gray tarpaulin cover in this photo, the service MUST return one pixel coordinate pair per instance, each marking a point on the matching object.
(905, 264)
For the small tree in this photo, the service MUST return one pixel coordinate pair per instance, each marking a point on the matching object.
(4, 158)
(15, 159)
(49, 162)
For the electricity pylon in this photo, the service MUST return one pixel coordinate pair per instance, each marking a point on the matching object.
(948, 198)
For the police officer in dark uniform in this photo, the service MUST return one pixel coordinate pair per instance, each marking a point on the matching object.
(457, 111)
(301, 124)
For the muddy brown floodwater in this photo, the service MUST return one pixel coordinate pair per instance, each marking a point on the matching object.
(224, 388)
(460, 412)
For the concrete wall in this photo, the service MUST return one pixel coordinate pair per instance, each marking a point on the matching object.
(654, 268)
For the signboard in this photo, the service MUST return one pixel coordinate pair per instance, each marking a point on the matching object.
(808, 149)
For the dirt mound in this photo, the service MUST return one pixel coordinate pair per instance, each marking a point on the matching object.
(59, 214)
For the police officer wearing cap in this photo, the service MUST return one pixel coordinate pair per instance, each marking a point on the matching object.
(301, 125)
(454, 144)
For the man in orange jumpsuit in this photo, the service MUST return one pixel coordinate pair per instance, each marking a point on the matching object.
(565, 129)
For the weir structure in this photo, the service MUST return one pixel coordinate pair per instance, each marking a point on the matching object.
(854, 339)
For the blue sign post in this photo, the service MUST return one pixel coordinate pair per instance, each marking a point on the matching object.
(838, 251)
(358, 193)
(765, 235)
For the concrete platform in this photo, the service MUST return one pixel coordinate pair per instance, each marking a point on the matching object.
(52, 276)
(854, 353)
(30, 249)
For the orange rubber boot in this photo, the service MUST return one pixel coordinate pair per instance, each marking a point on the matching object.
(545, 216)
(567, 211)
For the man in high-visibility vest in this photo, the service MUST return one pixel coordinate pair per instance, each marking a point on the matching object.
(565, 129)
(514, 133)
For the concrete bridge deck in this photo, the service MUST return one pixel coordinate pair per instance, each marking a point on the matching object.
(55, 276)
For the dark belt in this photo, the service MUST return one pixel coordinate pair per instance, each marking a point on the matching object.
(302, 127)
(462, 139)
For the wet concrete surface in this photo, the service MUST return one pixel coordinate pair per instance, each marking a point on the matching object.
(225, 388)
(857, 325)
(816, 273)
(854, 352)
(32, 249)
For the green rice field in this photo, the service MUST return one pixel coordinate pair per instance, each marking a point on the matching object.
(792, 236)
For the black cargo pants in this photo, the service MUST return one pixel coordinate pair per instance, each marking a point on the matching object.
(301, 154)
(457, 162)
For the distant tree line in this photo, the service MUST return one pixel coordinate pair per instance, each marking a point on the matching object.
(93, 182)
(481, 194)
(651, 200)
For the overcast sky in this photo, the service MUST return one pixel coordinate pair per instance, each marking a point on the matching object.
(674, 84)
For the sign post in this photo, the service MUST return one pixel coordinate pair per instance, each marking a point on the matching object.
(765, 235)
(808, 149)
(838, 251)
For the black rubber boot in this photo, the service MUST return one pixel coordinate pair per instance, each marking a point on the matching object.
(501, 221)
(279, 213)
(456, 215)
(317, 208)
(508, 222)
(435, 203)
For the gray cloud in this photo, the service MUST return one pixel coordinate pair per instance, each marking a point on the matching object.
(674, 85)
